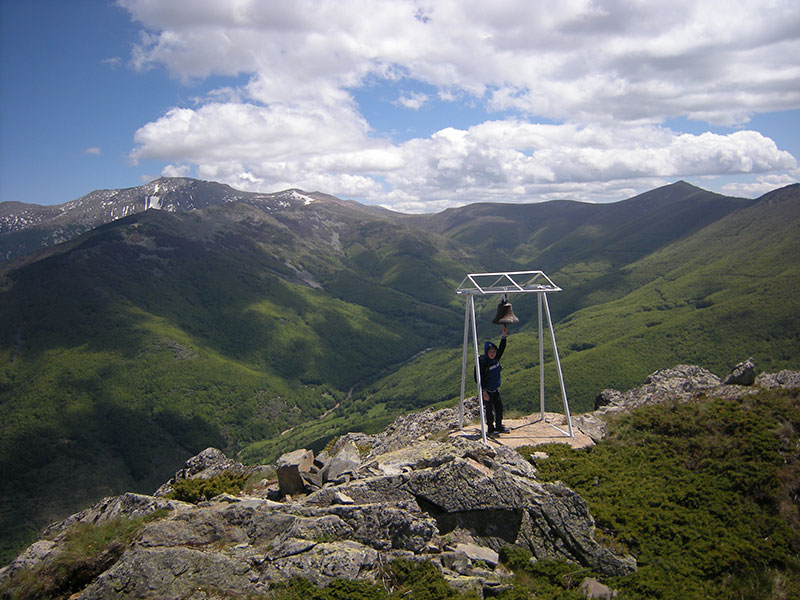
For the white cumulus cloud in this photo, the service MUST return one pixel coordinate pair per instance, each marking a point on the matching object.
(577, 94)
(413, 100)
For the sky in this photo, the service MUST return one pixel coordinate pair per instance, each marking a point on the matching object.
(415, 105)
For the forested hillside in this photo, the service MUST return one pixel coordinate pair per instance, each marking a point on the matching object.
(260, 324)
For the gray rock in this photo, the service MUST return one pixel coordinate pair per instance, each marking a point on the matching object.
(323, 562)
(288, 468)
(302, 459)
(401, 526)
(328, 527)
(192, 528)
(475, 552)
(128, 506)
(411, 428)
(606, 397)
(342, 498)
(313, 481)
(400, 503)
(594, 590)
(346, 460)
(782, 379)
(458, 562)
(372, 490)
(35, 554)
(509, 459)
(681, 383)
(264, 526)
(592, 424)
(500, 508)
(742, 374)
(173, 573)
(538, 457)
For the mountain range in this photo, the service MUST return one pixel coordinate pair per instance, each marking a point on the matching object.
(139, 326)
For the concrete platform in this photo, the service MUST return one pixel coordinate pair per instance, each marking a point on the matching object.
(531, 431)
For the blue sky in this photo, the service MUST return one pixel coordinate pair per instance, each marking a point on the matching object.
(416, 106)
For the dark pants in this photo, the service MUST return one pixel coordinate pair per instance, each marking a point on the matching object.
(493, 408)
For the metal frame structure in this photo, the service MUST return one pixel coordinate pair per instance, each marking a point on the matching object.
(508, 282)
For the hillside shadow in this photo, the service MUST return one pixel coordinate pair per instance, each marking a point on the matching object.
(101, 449)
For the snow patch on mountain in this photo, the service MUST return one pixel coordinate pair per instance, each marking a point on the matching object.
(306, 200)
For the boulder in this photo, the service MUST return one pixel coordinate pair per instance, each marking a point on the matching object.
(606, 397)
(742, 374)
(313, 481)
(594, 590)
(342, 498)
(592, 424)
(289, 467)
(346, 460)
(323, 562)
(475, 553)
(499, 508)
(402, 526)
(411, 428)
(37, 553)
(681, 382)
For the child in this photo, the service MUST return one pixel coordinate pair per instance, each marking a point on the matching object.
(489, 363)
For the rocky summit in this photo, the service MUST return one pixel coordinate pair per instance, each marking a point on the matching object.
(416, 491)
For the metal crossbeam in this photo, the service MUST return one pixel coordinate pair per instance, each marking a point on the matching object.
(508, 282)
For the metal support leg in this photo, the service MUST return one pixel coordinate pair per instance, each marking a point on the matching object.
(541, 360)
(477, 367)
(464, 366)
(558, 366)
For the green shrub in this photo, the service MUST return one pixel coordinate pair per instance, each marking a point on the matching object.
(556, 579)
(197, 490)
(419, 580)
(700, 493)
(404, 579)
(339, 589)
(514, 557)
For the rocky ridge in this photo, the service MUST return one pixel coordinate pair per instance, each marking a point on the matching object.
(414, 491)
(25, 228)
(681, 383)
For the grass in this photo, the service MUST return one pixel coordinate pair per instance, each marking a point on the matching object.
(88, 551)
(702, 493)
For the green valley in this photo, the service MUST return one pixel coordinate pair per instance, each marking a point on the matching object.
(260, 329)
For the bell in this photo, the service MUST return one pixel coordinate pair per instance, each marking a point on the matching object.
(505, 314)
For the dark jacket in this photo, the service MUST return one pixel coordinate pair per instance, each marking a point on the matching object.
(490, 367)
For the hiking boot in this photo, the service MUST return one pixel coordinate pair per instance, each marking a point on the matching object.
(502, 429)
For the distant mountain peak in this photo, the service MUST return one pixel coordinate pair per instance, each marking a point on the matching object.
(60, 223)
